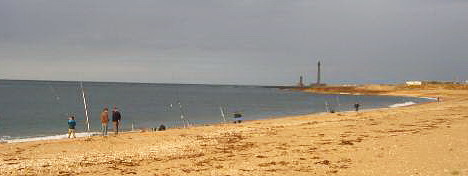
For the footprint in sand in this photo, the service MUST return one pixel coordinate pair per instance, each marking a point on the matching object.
(19, 150)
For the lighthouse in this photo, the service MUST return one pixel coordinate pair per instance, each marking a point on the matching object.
(318, 73)
(301, 82)
(319, 76)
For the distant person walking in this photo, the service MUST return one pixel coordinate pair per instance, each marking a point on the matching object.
(116, 117)
(104, 121)
(356, 106)
(71, 126)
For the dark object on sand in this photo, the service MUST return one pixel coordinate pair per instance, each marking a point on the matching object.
(238, 117)
(162, 128)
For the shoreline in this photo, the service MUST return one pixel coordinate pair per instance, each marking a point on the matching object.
(96, 133)
(422, 139)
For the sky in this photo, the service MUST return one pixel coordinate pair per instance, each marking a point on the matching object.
(249, 42)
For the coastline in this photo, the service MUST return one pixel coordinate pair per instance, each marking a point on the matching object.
(344, 143)
(97, 133)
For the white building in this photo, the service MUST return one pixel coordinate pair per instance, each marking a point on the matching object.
(414, 83)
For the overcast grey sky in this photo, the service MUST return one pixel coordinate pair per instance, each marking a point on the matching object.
(263, 42)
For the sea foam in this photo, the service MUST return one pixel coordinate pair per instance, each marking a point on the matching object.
(430, 98)
(402, 104)
(55, 137)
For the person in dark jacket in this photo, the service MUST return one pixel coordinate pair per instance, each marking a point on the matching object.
(71, 127)
(356, 107)
(116, 117)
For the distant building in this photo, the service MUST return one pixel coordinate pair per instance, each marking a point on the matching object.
(419, 83)
(348, 85)
(414, 83)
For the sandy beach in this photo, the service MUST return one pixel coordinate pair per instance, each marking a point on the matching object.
(423, 139)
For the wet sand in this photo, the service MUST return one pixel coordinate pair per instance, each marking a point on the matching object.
(424, 139)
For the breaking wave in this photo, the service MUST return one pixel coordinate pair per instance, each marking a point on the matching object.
(402, 104)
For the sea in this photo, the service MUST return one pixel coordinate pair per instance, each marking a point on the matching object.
(38, 110)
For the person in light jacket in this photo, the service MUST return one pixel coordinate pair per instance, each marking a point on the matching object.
(104, 121)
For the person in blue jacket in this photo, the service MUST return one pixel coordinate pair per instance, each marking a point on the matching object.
(71, 126)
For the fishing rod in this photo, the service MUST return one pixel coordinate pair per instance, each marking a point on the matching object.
(182, 117)
(183, 114)
(326, 106)
(338, 102)
(185, 121)
(85, 106)
(223, 113)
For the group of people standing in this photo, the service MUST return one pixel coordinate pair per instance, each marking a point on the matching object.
(116, 119)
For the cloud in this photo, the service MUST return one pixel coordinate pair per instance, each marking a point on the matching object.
(235, 42)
